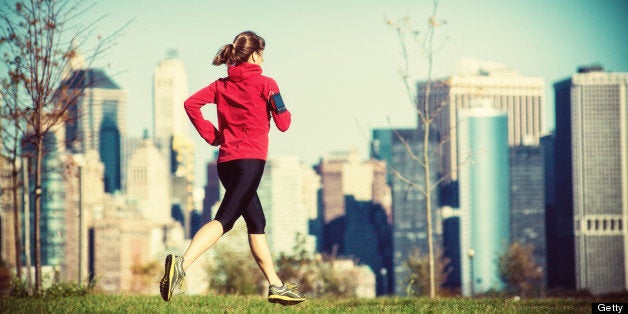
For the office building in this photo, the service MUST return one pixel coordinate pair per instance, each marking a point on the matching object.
(355, 207)
(97, 121)
(171, 131)
(587, 244)
(343, 174)
(484, 196)
(170, 90)
(527, 200)
(409, 211)
(521, 97)
(148, 183)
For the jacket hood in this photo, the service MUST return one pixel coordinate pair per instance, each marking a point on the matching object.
(242, 71)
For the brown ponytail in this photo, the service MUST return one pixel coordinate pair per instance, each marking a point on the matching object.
(245, 44)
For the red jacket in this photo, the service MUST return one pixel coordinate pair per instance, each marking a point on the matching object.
(243, 116)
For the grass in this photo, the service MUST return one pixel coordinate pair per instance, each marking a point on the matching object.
(99, 303)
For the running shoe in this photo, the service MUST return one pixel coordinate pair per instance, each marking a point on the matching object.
(174, 277)
(285, 295)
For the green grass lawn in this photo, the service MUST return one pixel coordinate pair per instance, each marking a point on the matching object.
(255, 304)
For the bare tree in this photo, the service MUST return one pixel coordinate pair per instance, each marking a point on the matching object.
(46, 36)
(427, 114)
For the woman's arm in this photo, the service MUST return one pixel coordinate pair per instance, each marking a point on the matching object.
(193, 105)
(282, 120)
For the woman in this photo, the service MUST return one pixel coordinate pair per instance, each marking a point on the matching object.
(242, 100)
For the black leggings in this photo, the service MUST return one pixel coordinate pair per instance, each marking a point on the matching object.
(240, 178)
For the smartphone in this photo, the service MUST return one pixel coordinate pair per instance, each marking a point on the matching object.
(276, 103)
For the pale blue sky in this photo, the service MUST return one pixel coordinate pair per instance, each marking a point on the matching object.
(337, 62)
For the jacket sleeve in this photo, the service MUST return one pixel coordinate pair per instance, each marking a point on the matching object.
(284, 119)
(193, 105)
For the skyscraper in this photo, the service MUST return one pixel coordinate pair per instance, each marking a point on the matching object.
(484, 196)
(409, 211)
(171, 130)
(170, 89)
(527, 199)
(111, 153)
(522, 98)
(588, 222)
(98, 121)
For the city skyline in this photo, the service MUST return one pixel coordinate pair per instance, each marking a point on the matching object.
(358, 210)
(338, 62)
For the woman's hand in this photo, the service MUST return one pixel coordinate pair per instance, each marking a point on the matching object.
(218, 139)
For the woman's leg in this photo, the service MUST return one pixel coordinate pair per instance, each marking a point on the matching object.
(261, 253)
(240, 179)
(255, 220)
(204, 239)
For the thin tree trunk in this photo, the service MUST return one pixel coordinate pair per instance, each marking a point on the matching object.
(428, 119)
(38, 175)
(16, 218)
(428, 208)
(428, 193)
(27, 229)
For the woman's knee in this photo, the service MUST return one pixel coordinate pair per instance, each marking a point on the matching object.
(256, 226)
(226, 225)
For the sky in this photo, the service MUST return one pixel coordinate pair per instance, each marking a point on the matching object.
(337, 62)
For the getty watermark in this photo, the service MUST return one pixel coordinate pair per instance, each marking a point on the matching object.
(608, 307)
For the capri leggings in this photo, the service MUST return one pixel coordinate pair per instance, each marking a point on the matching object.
(240, 178)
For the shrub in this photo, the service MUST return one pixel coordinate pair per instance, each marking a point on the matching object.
(145, 277)
(68, 289)
(519, 270)
(418, 283)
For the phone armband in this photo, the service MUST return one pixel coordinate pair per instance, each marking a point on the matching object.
(276, 103)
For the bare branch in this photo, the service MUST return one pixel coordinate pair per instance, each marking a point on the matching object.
(407, 181)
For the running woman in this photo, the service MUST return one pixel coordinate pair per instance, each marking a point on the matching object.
(244, 102)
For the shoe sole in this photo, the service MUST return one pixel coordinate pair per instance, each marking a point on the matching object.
(283, 300)
(166, 282)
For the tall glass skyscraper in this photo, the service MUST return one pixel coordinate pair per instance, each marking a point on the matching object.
(527, 199)
(110, 154)
(484, 195)
(409, 215)
(98, 121)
